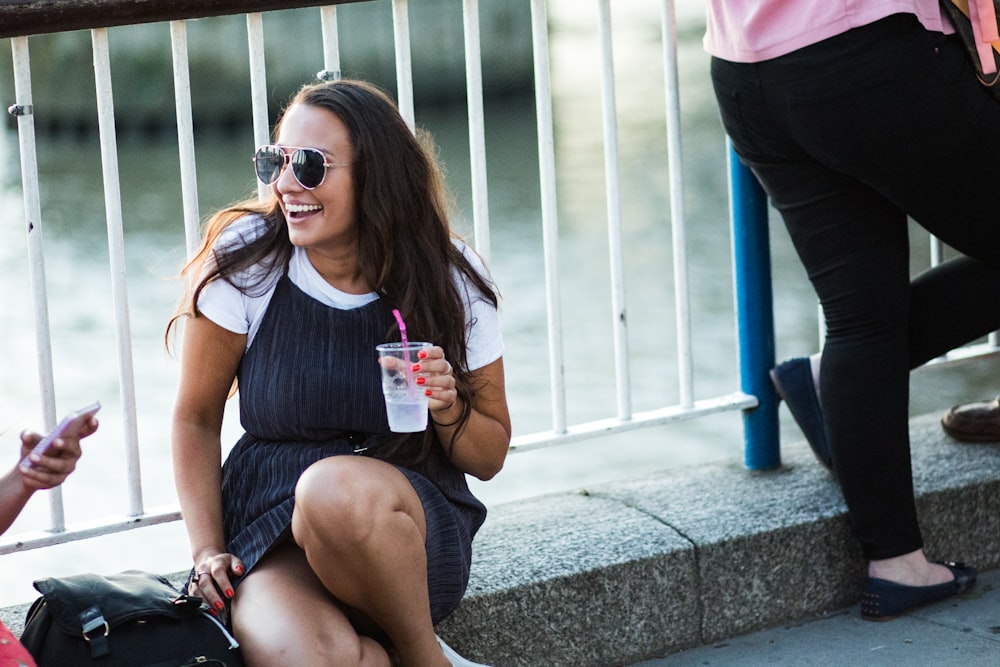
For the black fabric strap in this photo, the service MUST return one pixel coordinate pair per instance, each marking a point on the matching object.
(95, 631)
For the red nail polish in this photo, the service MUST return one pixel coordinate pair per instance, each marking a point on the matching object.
(238, 569)
(229, 593)
(416, 368)
(421, 380)
(219, 605)
(427, 392)
(421, 354)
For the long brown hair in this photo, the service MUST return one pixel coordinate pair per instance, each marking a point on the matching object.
(405, 247)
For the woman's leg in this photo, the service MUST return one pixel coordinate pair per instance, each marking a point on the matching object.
(840, 143)
(282, 615)
(854, 246)
(362, 527)
(950, 305)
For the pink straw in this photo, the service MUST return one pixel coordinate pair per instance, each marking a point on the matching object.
(402, 326)
(406, 350)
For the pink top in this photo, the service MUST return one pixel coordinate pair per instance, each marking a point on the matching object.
(750, 31)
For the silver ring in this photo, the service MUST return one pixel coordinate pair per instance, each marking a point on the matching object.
(199, 575)
(448, 372)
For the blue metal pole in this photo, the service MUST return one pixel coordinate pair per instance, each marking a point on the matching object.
(754, 314)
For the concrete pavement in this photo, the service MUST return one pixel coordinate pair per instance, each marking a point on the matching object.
(961, 631)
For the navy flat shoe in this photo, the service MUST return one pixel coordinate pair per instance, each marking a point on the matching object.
(885, 600)
(794, 382)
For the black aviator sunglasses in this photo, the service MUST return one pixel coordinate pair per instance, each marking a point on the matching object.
(309, 165)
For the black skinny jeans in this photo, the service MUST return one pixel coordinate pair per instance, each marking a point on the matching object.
(848, 137)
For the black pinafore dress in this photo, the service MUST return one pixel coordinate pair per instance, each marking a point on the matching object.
(310, 388)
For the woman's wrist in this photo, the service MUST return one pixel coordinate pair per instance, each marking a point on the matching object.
(207, 552)
(447, 417)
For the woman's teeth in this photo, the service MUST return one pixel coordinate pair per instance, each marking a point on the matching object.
(302, 208)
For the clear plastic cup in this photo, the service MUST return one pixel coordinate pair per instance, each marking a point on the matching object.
(405, 400)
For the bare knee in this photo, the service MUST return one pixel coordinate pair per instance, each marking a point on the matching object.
(332, 494)
(337, 499)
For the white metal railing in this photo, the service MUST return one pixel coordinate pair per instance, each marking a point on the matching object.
(561, 432)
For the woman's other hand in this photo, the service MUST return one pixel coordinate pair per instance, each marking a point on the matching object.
(211, 580)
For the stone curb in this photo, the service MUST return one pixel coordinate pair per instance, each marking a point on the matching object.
(628, 571)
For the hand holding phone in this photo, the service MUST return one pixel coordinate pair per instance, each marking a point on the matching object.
(70, 425)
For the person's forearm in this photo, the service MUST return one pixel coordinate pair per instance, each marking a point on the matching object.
(198, 477)
(14, 496)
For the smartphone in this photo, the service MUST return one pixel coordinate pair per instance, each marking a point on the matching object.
(69, 425)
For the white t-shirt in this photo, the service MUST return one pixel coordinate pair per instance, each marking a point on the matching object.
(231, 309)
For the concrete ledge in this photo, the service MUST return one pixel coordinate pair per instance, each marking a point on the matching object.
(628, 571)
(622, 572)
(576, 580)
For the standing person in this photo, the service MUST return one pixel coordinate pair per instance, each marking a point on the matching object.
(32, 473)
(336, 541)
(854, 116)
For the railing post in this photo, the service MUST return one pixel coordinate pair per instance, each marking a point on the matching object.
(477, 128)
(612, 182)
(404, 60)
(550, 209)
(24, 112)
(258, 88)
(185, 135)
(116, 255)
(754, 314)
(678, 221)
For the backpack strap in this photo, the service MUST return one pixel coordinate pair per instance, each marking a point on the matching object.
(95, 630)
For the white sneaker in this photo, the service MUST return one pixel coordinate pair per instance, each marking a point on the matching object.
(454, 658)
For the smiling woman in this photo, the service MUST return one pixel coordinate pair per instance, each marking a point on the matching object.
(320, 213)
(322, 519)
